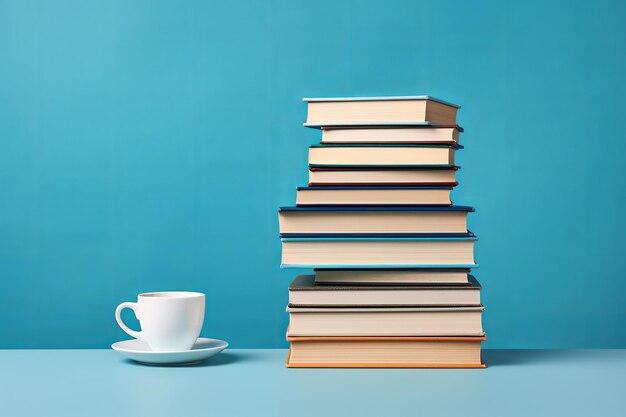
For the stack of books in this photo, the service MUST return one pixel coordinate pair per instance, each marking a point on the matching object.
(391, 253)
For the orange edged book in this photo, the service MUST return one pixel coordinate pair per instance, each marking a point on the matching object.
(385, 352)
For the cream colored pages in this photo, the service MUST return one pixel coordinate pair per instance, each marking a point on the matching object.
(348, 155)
(373, 297)
(392, 176)
(378, 252)
(386, 352)
(372, 222)
(386, 322)
(372, 196)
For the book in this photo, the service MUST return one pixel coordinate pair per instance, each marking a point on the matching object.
(381, 155)
(378, 252)
(385, 321)
(355, 111)
(379, 277)
(366, 220)
(334, 175)
(373, 195)
(392, 134)
(385, 352)
(304, 293)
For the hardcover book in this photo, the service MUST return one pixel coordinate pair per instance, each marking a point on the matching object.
(373, 195)
(367, 111)
(391, 276)
(382, 155)
(373, 220)
(385, 352)
(385, 321)
(303, 292)
(339, 175)
(378, 252)
(392, 134)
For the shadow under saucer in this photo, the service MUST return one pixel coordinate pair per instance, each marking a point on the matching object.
(224, 358)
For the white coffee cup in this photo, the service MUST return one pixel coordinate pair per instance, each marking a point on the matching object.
(170, 321)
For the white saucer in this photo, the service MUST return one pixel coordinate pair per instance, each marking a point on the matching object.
(139, 351)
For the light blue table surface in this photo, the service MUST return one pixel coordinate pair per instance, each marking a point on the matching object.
(256, 383)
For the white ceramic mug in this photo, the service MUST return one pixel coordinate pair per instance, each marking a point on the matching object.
(170, 321)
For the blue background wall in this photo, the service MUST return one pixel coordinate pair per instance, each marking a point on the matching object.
(146, 145)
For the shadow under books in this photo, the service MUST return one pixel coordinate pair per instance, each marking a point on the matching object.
(513, 357)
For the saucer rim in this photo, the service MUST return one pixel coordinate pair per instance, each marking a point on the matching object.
(223, 345)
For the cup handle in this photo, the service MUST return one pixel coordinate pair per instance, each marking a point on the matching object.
(118, 317)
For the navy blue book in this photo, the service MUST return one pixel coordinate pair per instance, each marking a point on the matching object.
(379, 221)
(367, 155)
(374, 195)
